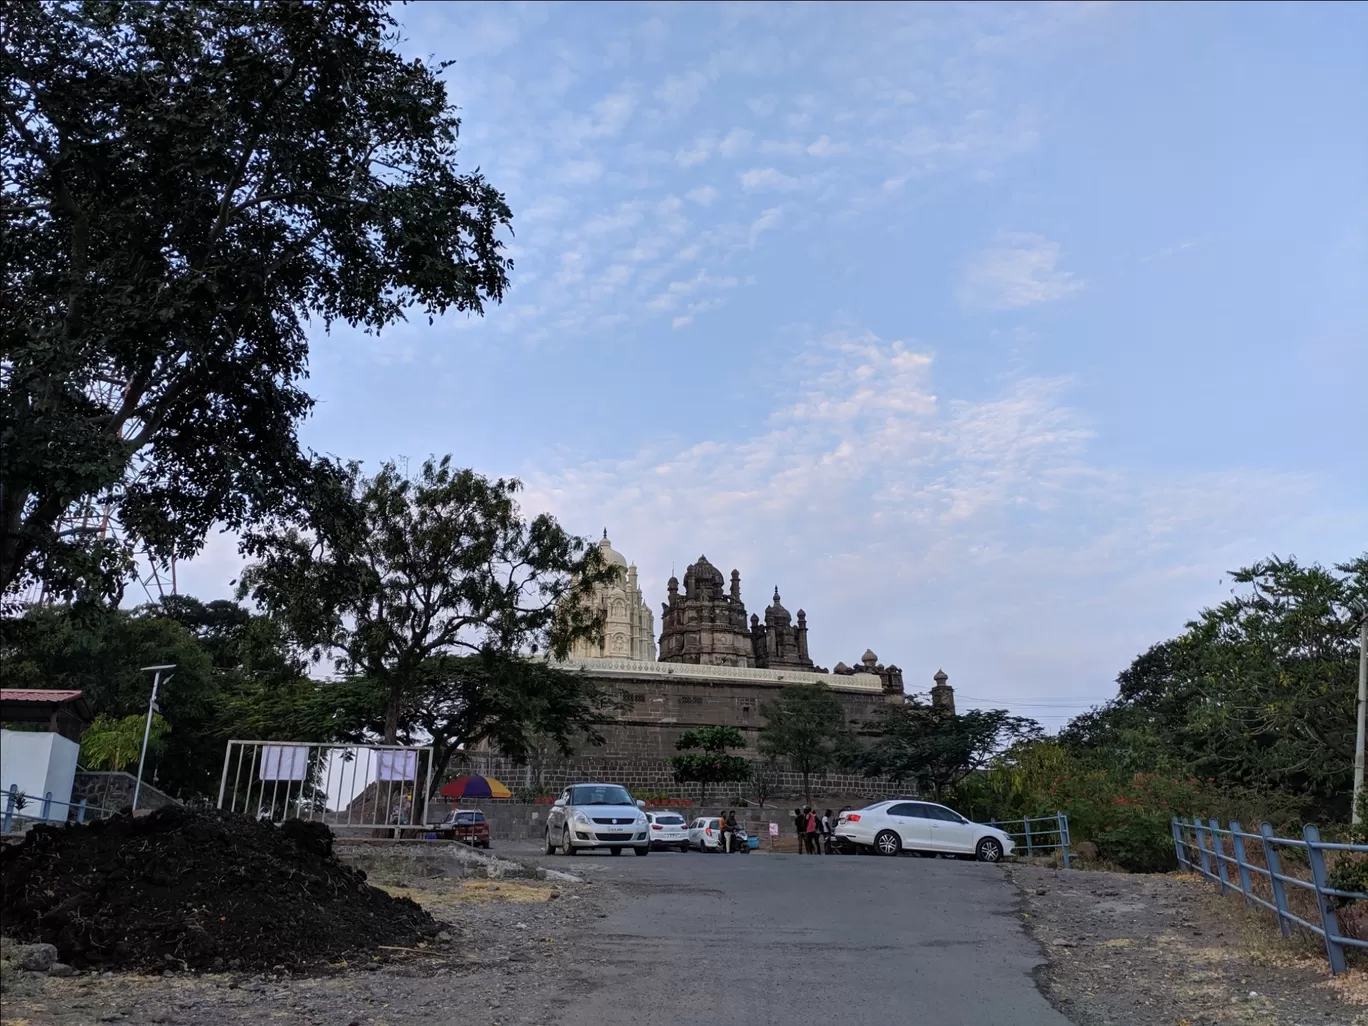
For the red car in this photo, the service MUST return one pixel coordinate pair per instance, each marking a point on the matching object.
(468, 825)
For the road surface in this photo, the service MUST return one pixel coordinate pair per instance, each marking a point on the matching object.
(791, 939)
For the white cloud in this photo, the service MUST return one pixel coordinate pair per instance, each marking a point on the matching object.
(680, 92)
(581, 172)
(824, 147)
(767, 178)
(981, 535)
(703, 195)
(784, 147)
(736, 142)
(766, 221)
(698, 153)
(1019, 270)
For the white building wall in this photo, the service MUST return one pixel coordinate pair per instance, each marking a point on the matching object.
(38, 763)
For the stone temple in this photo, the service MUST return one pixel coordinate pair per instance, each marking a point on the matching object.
(717, 666)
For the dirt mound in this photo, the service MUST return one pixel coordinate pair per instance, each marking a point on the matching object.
(196, 890)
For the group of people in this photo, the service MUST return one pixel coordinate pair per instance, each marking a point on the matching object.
(816, 834)
(729, 829)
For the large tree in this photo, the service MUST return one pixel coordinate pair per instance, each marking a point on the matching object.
(806, 727)
(1257, 691)
(706, 758)
(936, 748)
(390, 572)
(189, 186)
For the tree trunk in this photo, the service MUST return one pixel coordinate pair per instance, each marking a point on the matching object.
(393, 706)
(807, 787)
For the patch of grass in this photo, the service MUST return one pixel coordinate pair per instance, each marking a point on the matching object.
(451, 894)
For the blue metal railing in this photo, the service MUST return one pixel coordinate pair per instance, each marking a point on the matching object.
(18, 806)
(1207, 843)
(1038, 834)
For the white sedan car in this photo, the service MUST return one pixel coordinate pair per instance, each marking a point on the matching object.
(897, 826)
(668, 830)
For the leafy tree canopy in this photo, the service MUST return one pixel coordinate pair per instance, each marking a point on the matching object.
(806, 726)
(390, 573)
(937, 749)
(1258, 691)
(707, 760)
(188, 186)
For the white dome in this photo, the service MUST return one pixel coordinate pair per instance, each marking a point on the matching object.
(611, 555)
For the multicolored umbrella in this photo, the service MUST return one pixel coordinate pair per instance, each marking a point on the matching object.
(475, 787)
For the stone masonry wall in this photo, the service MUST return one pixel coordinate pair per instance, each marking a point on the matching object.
(114, 791)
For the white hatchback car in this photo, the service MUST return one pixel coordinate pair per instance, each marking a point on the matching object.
(597, 816)
(668, 830)
(705, 834)
(897, 826)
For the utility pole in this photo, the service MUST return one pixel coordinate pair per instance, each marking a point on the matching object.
(156, 672)
(1354, 816)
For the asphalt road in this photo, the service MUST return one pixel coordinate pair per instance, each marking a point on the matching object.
(758, 939)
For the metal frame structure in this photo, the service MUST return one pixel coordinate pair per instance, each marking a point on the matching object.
(1208, 843)
(76, 812)
(342, 785)
(1050, 833)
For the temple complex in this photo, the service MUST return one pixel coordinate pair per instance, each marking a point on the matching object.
(717, 666)
(628, 627)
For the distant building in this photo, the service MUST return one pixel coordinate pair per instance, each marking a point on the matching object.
(628, 627)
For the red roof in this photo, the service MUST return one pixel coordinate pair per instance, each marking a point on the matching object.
(36, 695)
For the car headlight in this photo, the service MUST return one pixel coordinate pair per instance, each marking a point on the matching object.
(580, 819)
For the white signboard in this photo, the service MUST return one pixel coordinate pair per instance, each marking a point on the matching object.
(284, 762)
(397, 765)
(774, 829)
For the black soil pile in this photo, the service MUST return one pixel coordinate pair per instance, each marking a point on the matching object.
(182, 889)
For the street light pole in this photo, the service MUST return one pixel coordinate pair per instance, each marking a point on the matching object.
(156, 672)
(1354, 816)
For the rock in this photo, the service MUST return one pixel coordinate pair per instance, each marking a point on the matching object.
(1041, 891)
(61, 970)
(553, 894)
(36, 958)
(444, 936)
(1060, 942)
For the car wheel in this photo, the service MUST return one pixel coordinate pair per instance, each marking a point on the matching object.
(642, 851)
(550, 847)
(566, 847)
(887, 843)
(684, 847)
(989, 850)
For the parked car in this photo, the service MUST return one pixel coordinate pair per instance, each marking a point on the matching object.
(468, 825)
(889, 828)
(705, 834)
(597, 816)
(668, 830)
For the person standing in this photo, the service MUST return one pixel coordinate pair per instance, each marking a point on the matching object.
(731, 830)
(810, 832)
(799, 828)
(828, 830)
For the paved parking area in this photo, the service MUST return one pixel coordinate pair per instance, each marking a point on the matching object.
(759, 939)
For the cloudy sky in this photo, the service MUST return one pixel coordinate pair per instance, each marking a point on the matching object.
(993, 335)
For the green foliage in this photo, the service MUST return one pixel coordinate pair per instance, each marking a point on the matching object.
(806, 726)
(390, 573)
(1258, 692)
(233, 676)
(110, 744)
(707, 760)
(937, 749)
(187, 186)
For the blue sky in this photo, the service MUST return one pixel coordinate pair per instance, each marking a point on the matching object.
(992, 334)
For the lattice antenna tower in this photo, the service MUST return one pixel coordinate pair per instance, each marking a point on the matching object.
(96, 517)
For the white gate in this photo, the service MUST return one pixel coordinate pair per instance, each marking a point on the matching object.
(342, 785)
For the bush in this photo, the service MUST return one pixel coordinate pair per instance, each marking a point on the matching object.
(1140, 846)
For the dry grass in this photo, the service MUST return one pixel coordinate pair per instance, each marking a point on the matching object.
(441, 895)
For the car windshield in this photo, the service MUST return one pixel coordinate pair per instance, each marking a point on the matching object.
(599, 794)
(465, 817)
(670, 820)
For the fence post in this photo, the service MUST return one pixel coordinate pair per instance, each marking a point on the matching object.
(80, 811)
(1063, 826)
(1179, 848)
(1218, 850)
(1274, 875)
(11, 800)
(1202, 848)
(47, 806)
(1027, 823)
(1329, 920)
(1245, 886)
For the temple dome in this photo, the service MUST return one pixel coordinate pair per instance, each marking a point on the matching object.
(775, 612)
(611, 556)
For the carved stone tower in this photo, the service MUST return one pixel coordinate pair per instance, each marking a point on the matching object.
(778, 644)
(943, 695)
(628, 626)
(707, 624)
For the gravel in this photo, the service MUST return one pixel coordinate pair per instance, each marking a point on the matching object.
(1148, 950)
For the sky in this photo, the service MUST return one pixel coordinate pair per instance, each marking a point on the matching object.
(994, 336)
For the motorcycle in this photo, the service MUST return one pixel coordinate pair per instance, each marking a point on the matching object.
(740, 842)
